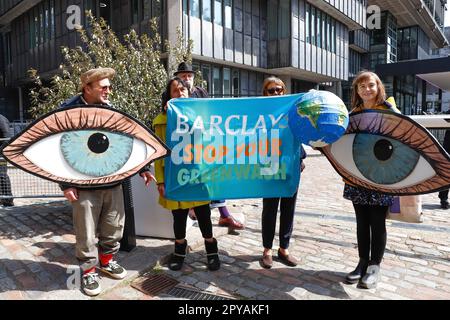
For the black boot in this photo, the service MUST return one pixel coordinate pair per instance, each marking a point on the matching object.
(370, 279)
(177, 258)
(212, 255)
(358, 273)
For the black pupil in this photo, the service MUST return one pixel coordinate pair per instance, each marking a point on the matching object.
(98, 143)
(383, 150)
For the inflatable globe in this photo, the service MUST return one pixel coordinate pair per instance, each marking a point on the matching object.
(318, 118)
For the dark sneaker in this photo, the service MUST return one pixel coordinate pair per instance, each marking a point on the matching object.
(114, 270)
(444, 204)
(7, 203)
(91, 284)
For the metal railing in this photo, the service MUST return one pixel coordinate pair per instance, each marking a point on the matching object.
(16, 183)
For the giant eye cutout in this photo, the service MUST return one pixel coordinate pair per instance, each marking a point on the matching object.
(390, 153)
(85, 146)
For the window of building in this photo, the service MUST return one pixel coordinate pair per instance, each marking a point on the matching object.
(147, 9)
(194, 8)
(206, 10)
(157, 8)
(328, 33)
(46, 21)
(134, 11)
(272, 20)
(333, 36)
(307, 23)
(236, 83)
(391, 39)
(313, 26)
(217, 83)
(206, 75)
(319, 29)
(8, 49)
(52, 19)
(228, 14)
(226, 82)
(41, 25)
(218, 12)
(32, 30)
(285, 20)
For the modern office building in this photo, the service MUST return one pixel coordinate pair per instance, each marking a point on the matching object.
(401, 52)
(236, 42)
(308, 43)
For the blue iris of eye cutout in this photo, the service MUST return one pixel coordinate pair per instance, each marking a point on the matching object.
(96, 153)
(383, 160)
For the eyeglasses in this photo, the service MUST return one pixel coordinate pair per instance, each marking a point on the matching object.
(104, 88)
(275, 89)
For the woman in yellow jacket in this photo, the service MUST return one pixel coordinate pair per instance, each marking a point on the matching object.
(371, 207)
(176, 88)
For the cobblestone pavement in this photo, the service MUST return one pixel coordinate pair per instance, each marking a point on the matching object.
(37, 252)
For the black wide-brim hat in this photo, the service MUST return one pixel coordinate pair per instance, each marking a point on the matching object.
(184, 67)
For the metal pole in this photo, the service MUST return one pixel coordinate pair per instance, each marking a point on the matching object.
(128, 241)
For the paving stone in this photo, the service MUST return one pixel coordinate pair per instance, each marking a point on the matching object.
(420, 281)
(246, 292)
(7, 284)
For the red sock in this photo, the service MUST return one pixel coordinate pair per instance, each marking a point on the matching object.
(105, 258)
(89, 270)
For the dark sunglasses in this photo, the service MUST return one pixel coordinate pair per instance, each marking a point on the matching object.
(276, 89)
(103, 88)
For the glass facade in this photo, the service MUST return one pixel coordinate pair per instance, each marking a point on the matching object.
(383, 41)
(320, 29)
(224, 82)
(42, 26)
(232, 38)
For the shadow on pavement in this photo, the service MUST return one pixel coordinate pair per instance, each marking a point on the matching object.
(240, 278)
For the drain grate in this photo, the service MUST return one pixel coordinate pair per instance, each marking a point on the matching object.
(180, 292)
(154, 284)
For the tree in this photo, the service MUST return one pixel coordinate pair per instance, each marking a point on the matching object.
(140, 73)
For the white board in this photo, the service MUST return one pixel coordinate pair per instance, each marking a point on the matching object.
(150, 218)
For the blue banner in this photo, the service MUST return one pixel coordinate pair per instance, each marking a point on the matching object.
(231, 148)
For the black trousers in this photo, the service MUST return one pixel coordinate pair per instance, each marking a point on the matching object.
(443, 195)
(203, 214)
(5, 183)
(269, 220)
(371, 231)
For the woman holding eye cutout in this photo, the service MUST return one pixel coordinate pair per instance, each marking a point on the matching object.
(370, 207)
(274, 86)
(177, 88)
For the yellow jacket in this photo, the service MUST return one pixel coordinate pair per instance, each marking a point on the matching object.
(389, 100)
(160, 125)
(393, 108)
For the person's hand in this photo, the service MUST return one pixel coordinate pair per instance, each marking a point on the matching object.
(161, 189)
(148, 177)
(71, 194)
(302, 167)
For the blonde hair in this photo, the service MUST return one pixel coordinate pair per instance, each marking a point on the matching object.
(270, 80)
(364, 75)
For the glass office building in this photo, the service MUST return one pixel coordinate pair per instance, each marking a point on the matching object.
(237, 43)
